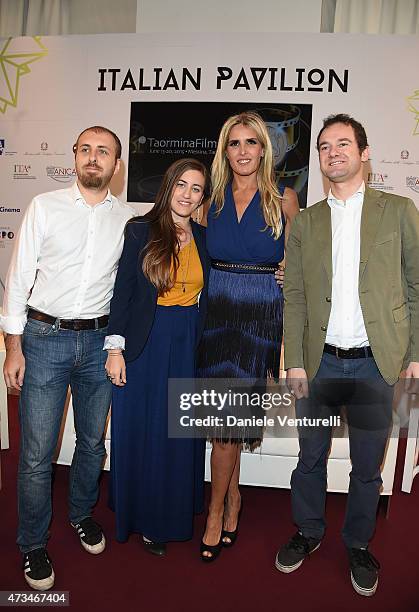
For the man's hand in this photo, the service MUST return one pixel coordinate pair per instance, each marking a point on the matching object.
(297, 382)
(14, 365)
(411, 384)
(280, 274)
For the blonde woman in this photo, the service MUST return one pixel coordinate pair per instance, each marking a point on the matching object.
(247, 223)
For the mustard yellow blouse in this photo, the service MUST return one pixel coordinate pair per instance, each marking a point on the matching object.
(189, 279)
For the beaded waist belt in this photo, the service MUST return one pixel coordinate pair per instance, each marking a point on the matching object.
(244, 268)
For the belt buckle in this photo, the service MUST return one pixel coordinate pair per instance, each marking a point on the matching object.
(79, 325)
(60, 326)
(337, 352)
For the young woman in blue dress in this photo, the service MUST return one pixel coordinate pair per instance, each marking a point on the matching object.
(154, 328)
(246, 228)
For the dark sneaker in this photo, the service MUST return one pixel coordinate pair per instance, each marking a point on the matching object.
(364, 571)
(292, 554)
(38, 569)
(91, 535)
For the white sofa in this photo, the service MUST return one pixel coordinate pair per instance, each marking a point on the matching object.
(270, 465)
(411, 461)
(4, 423)
(67, 439)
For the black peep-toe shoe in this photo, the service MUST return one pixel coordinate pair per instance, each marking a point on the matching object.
(231, 535)
(214, 550)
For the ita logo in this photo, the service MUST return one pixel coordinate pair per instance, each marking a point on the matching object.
(22, 171)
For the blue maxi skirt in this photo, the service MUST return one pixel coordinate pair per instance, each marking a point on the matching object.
(157, 482)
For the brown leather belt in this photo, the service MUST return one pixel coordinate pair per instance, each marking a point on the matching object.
(351, 353)
(74, 324)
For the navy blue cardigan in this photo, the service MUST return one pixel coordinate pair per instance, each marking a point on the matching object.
(134, 300)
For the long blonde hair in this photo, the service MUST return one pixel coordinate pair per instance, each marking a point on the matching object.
(221, 172)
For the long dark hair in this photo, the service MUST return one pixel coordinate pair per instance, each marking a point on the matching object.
(161, 251)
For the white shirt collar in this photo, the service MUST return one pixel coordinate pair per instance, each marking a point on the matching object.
(358, 195)
(79, 199)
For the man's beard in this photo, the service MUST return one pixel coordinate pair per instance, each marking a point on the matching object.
(94, 181)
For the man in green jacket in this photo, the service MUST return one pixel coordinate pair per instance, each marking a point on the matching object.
(351, 325)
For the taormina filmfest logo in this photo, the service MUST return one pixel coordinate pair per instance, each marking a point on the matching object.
(413, 106)
(15, 58)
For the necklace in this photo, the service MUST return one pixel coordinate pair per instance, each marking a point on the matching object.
(185, 270)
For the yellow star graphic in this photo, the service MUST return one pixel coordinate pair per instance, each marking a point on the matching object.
(413, 106)
(14, 63)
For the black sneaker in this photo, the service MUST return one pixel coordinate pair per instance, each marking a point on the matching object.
(364, 571)
(292, 554)
(91, 535)
(38, 569)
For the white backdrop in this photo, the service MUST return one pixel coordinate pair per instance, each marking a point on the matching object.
(49, 92)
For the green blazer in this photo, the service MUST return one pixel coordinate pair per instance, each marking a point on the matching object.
(388, 283)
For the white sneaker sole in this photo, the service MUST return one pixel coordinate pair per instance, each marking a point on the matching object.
(94, 549)
(287, 569)
(41, 585)
(361, 590)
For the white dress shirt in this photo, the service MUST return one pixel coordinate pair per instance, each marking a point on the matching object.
(346, 328)
(65, 258)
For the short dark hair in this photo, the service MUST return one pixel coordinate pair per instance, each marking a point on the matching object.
(99, 129)
(358, 128)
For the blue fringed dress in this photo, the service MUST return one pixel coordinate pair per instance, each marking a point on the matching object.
(243, 331)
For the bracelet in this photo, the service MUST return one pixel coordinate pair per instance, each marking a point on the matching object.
(110, 352)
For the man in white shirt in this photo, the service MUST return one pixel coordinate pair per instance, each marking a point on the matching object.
(55, 315)
(351, 325)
